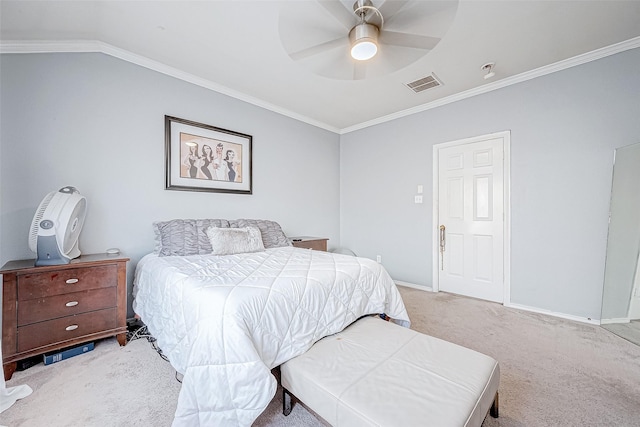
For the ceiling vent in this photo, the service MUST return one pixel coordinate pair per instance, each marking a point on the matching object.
(424, 83)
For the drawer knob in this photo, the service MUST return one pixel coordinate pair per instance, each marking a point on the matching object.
(71, 303)
(71, 327)
(71, 281)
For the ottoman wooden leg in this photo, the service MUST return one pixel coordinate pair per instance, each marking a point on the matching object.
(287, 404)
(494, 407)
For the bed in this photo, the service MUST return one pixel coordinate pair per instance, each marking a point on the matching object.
(226, 310)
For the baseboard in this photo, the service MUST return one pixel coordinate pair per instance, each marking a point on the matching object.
(414, 286)
(612, 321)
(554, 314)
(521, 307)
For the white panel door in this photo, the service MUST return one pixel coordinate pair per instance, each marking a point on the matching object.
(471, 217)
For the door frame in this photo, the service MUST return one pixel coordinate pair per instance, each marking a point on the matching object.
(506, 148)
(634, 302)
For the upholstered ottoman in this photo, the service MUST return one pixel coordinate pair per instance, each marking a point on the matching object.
(376, 373)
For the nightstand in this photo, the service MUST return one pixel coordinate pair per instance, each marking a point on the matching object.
(308, 242)
(51, 307)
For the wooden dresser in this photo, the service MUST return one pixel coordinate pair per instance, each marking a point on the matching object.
(51, 307)
(308, 242)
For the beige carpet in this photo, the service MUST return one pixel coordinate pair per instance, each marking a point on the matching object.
(554, 373)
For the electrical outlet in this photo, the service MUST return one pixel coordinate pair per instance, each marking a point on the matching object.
(378, 259)
(417, 199)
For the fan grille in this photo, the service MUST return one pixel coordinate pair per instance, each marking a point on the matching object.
(77, 221)
(35, 223)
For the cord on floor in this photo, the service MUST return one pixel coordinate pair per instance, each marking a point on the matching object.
(135, 332)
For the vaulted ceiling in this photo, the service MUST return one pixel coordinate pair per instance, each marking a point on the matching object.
(293, 56)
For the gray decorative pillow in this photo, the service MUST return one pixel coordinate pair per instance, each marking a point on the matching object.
(229, 241)
(185, 236)
(272, 234)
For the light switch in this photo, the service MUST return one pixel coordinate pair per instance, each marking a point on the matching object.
(417, 199)
(420, 189)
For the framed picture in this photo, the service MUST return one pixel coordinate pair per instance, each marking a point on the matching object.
(200, 157)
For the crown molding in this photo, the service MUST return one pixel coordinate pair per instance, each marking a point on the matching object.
(94, 46)
(538, 72)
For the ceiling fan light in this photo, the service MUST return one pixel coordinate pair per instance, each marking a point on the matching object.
(363, 50)
(364, 39)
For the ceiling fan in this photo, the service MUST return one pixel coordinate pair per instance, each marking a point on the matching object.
(353, 41)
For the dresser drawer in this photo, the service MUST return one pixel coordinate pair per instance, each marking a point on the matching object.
(41, 309)
(39, 285)
(65, 328)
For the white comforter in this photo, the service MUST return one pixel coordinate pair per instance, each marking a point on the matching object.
(225, 321)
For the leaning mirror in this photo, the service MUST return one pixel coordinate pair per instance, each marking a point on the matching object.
(621, 292)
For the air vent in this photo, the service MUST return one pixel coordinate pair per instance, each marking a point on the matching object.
(424, 83)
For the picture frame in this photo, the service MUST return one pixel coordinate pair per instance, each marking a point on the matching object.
(200, 157)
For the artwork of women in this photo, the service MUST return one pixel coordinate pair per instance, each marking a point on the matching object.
(207, 160)
(220, 169)
(232, 165)
(192, 159)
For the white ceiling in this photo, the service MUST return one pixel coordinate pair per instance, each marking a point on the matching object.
(241, 47)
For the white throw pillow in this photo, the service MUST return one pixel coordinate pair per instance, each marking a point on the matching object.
(229, 241)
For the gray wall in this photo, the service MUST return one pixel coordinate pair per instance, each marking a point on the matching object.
(623, 244)
(564, 129)
(97, 123)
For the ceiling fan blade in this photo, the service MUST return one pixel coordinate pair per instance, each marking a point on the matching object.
(339, 12)
(391, 7)
(408, 40)
(319, 48)
(359, 70)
